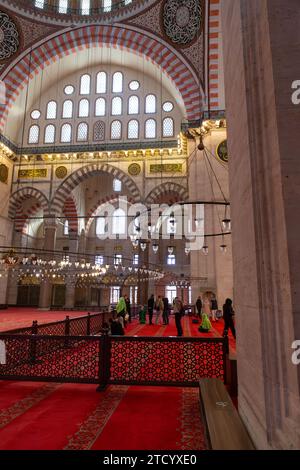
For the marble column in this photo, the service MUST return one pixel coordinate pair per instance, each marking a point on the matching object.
(49, 245)
(261, 61)
(70, 281)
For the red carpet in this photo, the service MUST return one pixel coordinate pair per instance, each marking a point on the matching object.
(74, 416)
(189, 330)
(16, 317)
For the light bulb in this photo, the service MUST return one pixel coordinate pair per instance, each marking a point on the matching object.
(155, 247)
(226, 224)
(205, 249)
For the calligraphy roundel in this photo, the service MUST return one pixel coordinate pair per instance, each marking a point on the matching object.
(9, 37)
(182, 20)
(222, 152)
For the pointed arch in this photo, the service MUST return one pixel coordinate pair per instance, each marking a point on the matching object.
(21, 195)
(128, 37)
(168, 189)
(70, 183)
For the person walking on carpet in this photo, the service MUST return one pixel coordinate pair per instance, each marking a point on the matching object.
(228, 314)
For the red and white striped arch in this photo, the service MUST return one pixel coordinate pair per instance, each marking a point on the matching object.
(214, 54)
(93, 212)
(70, 213)
(123, 37)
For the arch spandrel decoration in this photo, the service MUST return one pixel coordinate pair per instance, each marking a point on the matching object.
(70, 183)
(158, 52)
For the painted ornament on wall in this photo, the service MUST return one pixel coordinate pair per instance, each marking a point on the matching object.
(222, 152)
(134, 169)
(182, 20)
(3, 173)
(61, 172)
(9, 37)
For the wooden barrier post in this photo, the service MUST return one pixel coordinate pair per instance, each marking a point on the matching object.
(32, 344)
(104, 360)
(88, 324)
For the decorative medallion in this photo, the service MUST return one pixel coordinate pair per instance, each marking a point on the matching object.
(3, 173)
(134, 169)
(9, 37)
(182, 20)
(222, 152)
(61, 172)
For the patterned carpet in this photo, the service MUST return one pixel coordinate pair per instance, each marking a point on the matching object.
(37, 416)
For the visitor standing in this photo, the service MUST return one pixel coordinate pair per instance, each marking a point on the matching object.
(199, 306)
(166, 311)
(150, 308)
(214, 308)
(228, 314)
(128, 307)
(159, 307)
(178, 309)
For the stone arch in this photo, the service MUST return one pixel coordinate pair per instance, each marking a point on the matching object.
(93, 211)
(65, 189)
(167, 188)
(70, 212)
(21, 195)
(141, 43)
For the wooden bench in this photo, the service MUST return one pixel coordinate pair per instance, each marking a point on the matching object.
(224, 427)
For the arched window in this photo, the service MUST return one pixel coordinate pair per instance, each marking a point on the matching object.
(107, 5)
(133, 105)
(39, 3)
(100, 106)
(101, 82)
(150, 129)
(49, 134)
(66, 227)
(117, 185)
(116, 130)
(63, 6)
(67, 109)
(168, 127)
(66, 133)
(85, 84)
(133, 129)
(117, 84)
(100, 226)
(150, 105)
(84, 108)
(116, 106)
(51, 110)
(82, 132)
(99, 131)
(85, 7)
(34, 134)
(119, 222)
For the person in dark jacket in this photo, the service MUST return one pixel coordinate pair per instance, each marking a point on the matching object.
(166, 311)
(116, 328)
(199, 307)
(128, 307)
(228, 314)
(150, 308)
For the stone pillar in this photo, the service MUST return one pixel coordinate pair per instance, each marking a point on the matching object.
(82, 242)
(70, 282)
(261, 61)
(49, 245)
